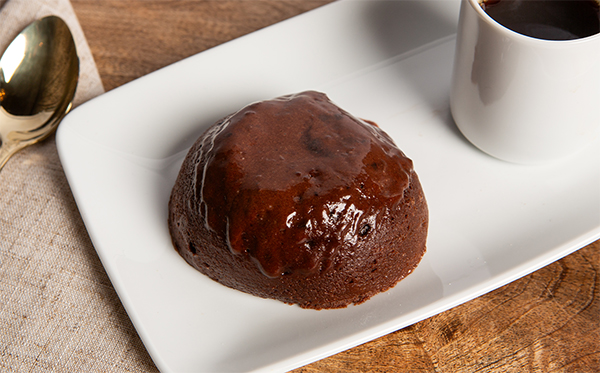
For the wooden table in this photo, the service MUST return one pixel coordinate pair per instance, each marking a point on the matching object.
(545, 322)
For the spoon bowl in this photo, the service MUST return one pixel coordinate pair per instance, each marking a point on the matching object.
(39, 72)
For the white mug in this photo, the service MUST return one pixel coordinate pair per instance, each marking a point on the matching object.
(523, 99)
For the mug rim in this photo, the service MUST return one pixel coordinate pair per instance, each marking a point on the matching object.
(475, 4)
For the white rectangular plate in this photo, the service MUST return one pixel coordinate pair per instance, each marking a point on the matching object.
(491, 222)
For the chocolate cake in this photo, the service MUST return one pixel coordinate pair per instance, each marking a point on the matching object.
(295, 199)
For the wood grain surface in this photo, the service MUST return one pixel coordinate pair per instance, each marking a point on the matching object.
(545, 322)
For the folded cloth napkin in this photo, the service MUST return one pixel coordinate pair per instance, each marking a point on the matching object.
(58, 309)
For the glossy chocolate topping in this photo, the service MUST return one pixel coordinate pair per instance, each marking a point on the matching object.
(318, 188)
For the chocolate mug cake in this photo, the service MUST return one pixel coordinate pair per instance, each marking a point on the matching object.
(297, 200)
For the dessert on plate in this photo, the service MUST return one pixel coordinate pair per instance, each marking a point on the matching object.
(297, 200)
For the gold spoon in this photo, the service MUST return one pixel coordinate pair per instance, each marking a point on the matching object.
(38, 75)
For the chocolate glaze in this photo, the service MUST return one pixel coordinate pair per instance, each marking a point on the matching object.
(297, 188)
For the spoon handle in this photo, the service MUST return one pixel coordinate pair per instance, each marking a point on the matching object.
(7, 150)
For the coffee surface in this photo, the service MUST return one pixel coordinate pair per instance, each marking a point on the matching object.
(547, 19)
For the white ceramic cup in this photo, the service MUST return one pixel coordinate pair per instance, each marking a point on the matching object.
(522, 99)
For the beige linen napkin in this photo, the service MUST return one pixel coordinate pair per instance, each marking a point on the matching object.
(58, 309)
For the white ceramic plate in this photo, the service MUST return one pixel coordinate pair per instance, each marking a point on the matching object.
(491, 222)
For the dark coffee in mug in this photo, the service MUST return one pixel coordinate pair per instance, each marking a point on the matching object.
(547, 19)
